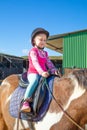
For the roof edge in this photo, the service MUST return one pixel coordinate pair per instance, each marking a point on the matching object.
(64, 34)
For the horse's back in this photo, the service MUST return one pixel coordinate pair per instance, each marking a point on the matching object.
(11, 81)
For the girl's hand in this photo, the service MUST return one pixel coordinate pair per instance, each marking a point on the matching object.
(45, 74)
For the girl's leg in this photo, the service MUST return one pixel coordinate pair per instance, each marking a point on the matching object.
(33, 83)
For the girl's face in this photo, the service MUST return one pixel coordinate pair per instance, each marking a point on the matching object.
(40, 40)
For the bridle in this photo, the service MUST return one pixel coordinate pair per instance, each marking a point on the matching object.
(61, 107)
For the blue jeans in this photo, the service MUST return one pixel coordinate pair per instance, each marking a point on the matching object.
(33, 83)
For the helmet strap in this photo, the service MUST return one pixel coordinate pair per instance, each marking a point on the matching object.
(39, 47)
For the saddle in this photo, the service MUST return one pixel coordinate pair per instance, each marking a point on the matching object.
(40, 100)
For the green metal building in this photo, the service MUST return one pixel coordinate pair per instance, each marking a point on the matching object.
(73, 46)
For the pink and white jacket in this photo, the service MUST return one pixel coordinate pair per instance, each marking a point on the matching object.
(39, 61)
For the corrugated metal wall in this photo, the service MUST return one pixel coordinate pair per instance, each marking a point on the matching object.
(75, 50)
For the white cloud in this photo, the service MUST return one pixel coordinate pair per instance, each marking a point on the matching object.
(25, 51)
(2, 51)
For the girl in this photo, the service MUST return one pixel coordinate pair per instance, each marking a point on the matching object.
(39, 62)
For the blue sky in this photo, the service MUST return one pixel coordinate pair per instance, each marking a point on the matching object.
(18, 18)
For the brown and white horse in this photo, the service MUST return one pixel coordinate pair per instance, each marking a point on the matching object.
(69, 91)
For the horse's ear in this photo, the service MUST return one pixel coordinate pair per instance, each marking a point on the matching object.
(58, 73)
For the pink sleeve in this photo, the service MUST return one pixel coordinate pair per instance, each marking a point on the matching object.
(50, 65)
(34, 57)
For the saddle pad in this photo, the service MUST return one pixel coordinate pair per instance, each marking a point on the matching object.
(17, 97)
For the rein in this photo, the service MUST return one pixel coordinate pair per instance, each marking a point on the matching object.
(29, 123)
(60, 106)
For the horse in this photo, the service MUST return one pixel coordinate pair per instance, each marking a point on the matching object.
(67, 110)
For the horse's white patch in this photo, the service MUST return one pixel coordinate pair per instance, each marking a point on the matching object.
(85, 126)
(77, 92)
(23, 125)
(8, 99)
(48, 121)
(5, 83)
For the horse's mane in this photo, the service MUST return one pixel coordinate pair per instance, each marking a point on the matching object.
(81, 76)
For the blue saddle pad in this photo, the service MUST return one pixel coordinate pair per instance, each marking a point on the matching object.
(17, 97)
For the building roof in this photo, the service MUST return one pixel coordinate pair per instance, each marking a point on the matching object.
(56, 57)
(8, 57)
(55, 42)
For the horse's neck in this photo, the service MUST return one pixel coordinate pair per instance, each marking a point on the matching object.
(62, 91)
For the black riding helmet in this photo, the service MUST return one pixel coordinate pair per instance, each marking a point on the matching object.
(37, 31)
